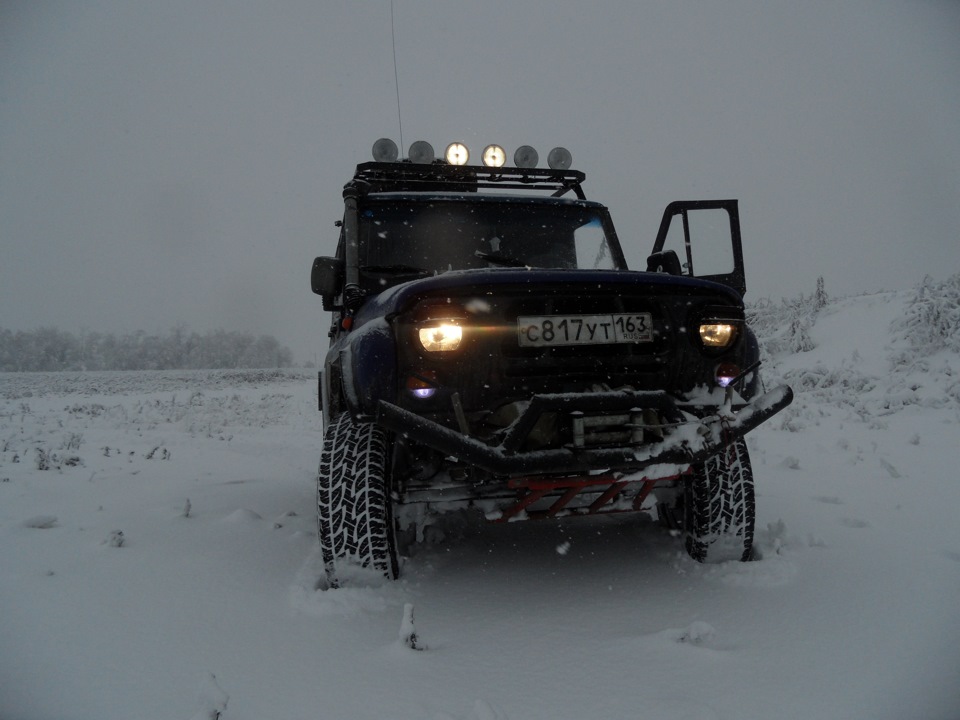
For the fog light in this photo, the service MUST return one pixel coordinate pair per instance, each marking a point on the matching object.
(726, 373)
(423, 385)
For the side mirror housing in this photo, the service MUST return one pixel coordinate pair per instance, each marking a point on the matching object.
(326, 279)
(665, 262)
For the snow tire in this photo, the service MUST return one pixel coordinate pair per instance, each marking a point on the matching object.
(719, 507)
(354, 513)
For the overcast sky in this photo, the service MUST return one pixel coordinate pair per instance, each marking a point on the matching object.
(176, 162)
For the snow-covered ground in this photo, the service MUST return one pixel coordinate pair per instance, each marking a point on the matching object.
(158, 560)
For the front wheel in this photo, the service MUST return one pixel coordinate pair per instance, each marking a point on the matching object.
(719, 507)
(354, 514)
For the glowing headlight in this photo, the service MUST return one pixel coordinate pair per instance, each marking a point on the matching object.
(457, 154)
(441, 338)
(494, 156)
(718, 335)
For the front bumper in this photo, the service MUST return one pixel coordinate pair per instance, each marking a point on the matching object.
(689, 436)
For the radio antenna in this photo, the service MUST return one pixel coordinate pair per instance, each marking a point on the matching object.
(396, 77)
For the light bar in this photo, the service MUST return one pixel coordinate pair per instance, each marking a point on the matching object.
(457, 154)
(494, 156)
(385, 150)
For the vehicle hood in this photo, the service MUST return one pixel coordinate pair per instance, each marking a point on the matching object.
(486, 281)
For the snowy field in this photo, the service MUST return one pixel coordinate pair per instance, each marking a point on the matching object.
(159, 558)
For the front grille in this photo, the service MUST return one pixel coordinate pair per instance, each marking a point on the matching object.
(641, 364)
(492, 368)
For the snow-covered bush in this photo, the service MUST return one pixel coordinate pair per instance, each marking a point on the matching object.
(784, 327)
(926, 341)
(932, 319)
(922, 349)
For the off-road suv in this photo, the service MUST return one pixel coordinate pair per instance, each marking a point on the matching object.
(490, 349)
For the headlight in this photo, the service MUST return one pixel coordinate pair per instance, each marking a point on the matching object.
(441, 338)
(718, 334)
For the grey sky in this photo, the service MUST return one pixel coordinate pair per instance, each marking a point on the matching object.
(181, 162)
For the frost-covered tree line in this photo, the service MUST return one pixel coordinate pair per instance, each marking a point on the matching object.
(50, 349)
(931, 322)
(924, 339)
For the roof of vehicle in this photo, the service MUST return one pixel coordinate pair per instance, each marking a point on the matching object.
(378, 177)
(433, 196)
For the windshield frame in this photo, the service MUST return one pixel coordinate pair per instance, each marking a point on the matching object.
(517, 247)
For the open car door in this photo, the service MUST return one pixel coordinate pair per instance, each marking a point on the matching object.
(705, 237)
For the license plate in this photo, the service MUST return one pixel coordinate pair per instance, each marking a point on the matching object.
(550, 330)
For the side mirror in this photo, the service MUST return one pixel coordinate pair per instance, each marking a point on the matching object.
(664, 262)
(326, 279)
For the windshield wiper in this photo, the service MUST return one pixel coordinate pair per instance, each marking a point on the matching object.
(399, 269)
(498, 259)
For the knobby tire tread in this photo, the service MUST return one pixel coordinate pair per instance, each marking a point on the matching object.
(353, 502)
(721, 508)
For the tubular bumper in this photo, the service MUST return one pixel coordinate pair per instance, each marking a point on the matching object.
(687, 439)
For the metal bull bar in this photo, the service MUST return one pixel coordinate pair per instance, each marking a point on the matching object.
(687, 439)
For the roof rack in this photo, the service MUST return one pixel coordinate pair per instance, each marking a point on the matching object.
(372, 177)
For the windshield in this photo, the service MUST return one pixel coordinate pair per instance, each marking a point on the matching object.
(436, 237)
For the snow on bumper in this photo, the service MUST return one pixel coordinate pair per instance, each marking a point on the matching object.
(687, 439)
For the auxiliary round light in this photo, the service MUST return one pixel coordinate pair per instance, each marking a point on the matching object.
(385, 150)
(526, 157)
(494, 156)
(559, 159)
(457, 153)
(421, 152)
